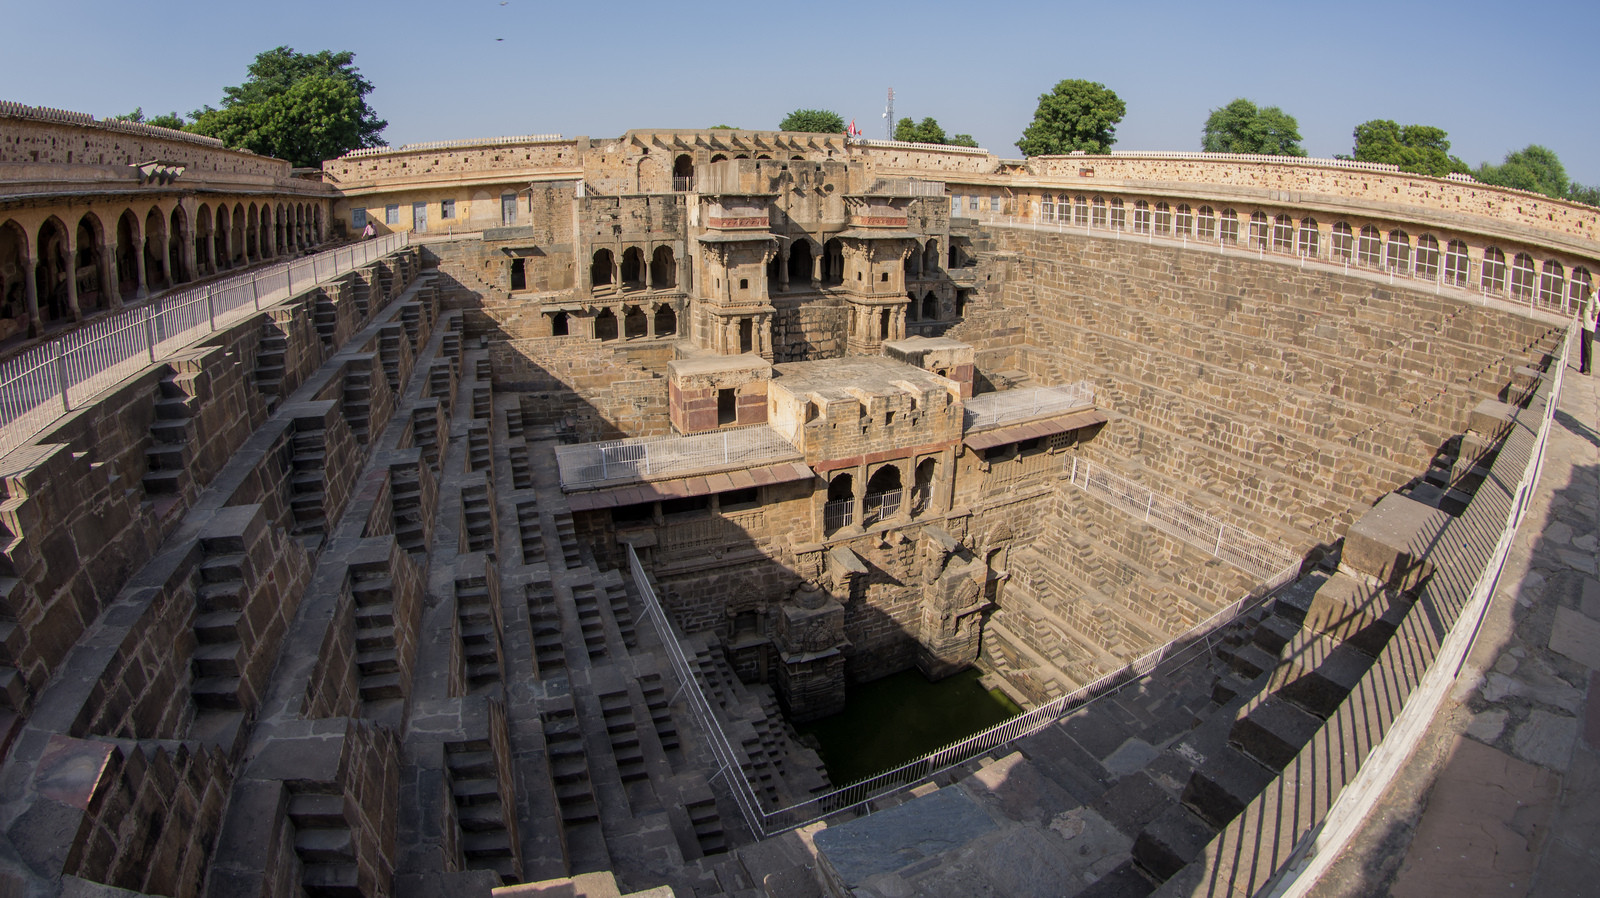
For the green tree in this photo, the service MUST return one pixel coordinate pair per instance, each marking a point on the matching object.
(816, 121)
(722, 128)
(170, 120)
(927, 131)
(1583, 193)
(1533, 167)
(963, 140)
(303, 107)
(1415, 148)
(1074, 115)
(1242, 127)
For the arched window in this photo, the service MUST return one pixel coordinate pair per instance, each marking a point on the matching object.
(1457, 265)
(800, 264)
(605, 325)
(921, 494)
(1163, 218)
(1119, 215)
(1047, 209)
(600, 270)
(127, 255)
(883, 495)
(1258, 230)
(1183, 223)
(1522, 276)
(1310, 241)
(930, 256)
(666, 321)
(1397, 253)
(1344, 243)
(1579, 286)
(1369, 247)
(1551, 282)
(1493, 276)
(1141, 217)
(632, 272)
(1283, 234)
(87, 266)
(1099, 219)
(1080, 211)
(1427, 256)
(1228, 227)
(635, 323)
(664, 269)
(930, 308)
(839, 510)
(559, 324)
(1205, 224)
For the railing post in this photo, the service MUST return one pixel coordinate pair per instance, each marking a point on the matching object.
(61, 375)
(211, 308)
(255, 292)
(150, 334)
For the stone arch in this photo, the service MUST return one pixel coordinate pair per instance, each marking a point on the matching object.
(801, 260)
(1119, 215)
(252, 233)
(635, 323)
(1522, 276)
(663, 268)
(266, 244)
(883, 494)
(1344, 242)
(930, 256)
(221, 234)
(719, 157)
(1282, 233)
(1205, 223)
(1551, 281)
(1228, 226)
(204, 241)
(1493, 277)
(1309, 243)
(16, 309)
(1397, 251)
(53, 272)
(683, 172)
(666, 320)
(839, 508)
(925, 476)
(128, 250)
(317, 234)
(911, 307)
(1258, 230)
(1098, 218)
(90, 267)
(560, 326)
(179, 267)
(1163, 218)
(1369, 247)
(280, 235)
(1141, 217)
(156, 271)
(833, 262)
(930, 307)
(1579, 286)
(601, 268)
(1457, 262)
(236, 234)
(1183, 221)
(605, 325)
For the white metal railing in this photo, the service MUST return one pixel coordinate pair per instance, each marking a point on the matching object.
(1235, 545)
(925, 147)
(838, 513)
(1011, 406)
(39, 386)
(1326, 257)
(1323, 844)
(1196, 640)
(642, 458)
(877, 507)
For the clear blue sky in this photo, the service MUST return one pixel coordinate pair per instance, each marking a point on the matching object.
(1495, 76)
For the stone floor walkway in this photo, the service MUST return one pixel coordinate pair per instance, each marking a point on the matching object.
(1502, 796)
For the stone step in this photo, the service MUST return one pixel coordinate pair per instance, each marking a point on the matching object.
(487, 843)
(168, 482)
(1274, 732)
(475, 791)
(216, 660)
(1170, 842)
(332, 881)
(319, 845)
(377, 661)
(314, 809)
(1221, 788)
(217, 626)
(383, 686)
(216, 693)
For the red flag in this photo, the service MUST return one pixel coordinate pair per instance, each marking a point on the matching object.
(853, 128)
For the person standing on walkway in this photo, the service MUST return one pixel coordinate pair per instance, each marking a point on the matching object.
(1586, 320)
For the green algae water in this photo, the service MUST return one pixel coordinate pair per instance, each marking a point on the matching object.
(900, 717)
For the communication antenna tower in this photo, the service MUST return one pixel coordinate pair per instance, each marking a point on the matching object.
(888, 117)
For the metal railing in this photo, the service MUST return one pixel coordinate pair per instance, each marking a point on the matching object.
(37, 387)
(838, 513)
(648, 457)
(765, 823)
(1010, 406)
(876, 507)
(1235, 545)
(1331, 258)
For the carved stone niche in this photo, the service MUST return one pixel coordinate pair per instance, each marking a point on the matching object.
(954, 597)
(810, 644)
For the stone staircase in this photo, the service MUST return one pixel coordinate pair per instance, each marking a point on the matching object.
(377, 660)
(270, 358)
(219, 612)
(477, 613)
(323, 842)
(171, 437)
(481, 810)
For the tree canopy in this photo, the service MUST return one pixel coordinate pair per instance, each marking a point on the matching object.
(303, 107)
(170, 120)
(929, 131)
(1533, 167)
(816, 121)
(1415, 148)
(1242, 127)
(1074, 115)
